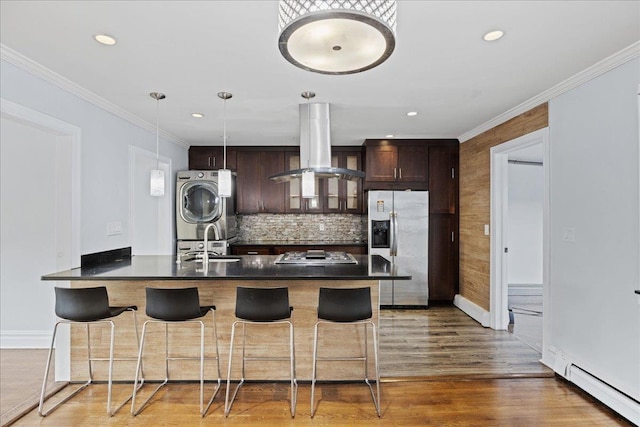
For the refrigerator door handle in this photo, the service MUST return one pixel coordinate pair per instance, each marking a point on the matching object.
(393, 216)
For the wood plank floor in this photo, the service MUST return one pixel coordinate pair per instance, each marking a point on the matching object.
(439, 367)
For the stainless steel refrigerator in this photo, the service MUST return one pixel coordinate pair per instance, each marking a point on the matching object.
(399, 231)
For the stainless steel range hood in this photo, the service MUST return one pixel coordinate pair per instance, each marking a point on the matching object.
(315, 146)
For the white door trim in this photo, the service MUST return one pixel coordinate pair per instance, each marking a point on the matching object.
(499, 198)
(73, 133)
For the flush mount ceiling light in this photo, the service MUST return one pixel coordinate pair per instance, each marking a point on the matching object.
(104, 39)
(412, 113)
(492, 36)
(337, 36)
(197, 115)
(157, 174)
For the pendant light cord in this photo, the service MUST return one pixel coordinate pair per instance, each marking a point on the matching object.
(224, 136)
(157, 134)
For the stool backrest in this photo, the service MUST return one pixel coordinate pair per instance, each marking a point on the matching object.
(262, 304)
(82, 304)
(173, 304)
(344, 304)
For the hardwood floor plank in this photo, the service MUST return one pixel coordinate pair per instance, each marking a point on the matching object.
(530, 402)
(439, 367)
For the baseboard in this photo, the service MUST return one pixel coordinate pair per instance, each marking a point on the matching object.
(473, 310)
(25, 339)
(525, 289)
(614, 399)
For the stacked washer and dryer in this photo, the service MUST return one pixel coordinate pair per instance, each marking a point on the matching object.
(198, 205)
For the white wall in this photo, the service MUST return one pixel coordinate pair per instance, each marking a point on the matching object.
(28, 225)
(105, 152)
(104, 194)
(526, 198)
(595, 318)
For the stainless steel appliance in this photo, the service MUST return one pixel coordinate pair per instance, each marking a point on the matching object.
(315, 257)
(399, 231)
(194, 247)
(198, 205)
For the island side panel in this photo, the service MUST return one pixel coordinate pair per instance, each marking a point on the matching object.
(271, 340)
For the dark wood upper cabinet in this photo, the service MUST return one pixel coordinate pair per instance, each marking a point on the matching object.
(294, 202)
(211, 158)
(339, 195)
(443, 179)
(396, 165)
(256, 193)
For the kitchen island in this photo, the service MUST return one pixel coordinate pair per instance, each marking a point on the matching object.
(126, 281)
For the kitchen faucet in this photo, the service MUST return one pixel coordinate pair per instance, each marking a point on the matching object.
(216, 236)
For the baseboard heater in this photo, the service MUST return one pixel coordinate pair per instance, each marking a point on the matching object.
(620, 402)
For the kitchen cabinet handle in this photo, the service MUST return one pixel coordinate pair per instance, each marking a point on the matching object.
(453, 173)
(209, 161)
(400, 173)
(395, 176)
(214, 162)
(252, 252)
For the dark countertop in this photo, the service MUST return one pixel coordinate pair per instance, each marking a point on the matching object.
(251, 267)
(299, 243)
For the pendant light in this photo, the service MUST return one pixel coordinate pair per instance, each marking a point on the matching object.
(157, 175)
(337, 36)
(308, 175)
(224, 174)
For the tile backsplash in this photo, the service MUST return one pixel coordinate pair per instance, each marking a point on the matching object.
(293, 227)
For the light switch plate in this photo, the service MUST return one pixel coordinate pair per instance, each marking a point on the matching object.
(486, 229)
(114, 228)
(568, 234)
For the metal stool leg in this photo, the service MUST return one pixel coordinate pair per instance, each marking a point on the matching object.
(228, 403)
(217, 389)
(315, 362)
(375, 396)
(43, 392)
(294, 381)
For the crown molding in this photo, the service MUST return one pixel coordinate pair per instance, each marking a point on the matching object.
(599, 68)
(42, 72)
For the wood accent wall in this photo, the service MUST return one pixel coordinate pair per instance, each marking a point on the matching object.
(475, 198)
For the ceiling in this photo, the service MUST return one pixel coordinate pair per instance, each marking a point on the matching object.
(191, 50)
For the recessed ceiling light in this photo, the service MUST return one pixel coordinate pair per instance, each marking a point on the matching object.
(412, 113)
(197, 115)
(389, 136)
(492, 36)
(105, 39)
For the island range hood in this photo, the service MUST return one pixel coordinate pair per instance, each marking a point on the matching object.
(315, 146)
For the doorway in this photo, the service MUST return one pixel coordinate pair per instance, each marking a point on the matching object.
(530, 283)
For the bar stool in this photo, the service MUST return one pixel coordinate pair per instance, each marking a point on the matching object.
(347, 306)
(167, 306)
(262, 306)
(86, 306)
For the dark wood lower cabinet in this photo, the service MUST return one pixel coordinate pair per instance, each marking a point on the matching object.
(443, 259)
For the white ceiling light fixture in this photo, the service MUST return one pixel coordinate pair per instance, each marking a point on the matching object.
(224, 174)
(337, 36)
(492, 36)
(197, 115)
(412, 113)
(157, 175)
(105, 39)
